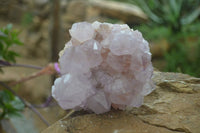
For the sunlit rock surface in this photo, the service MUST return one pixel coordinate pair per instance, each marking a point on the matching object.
(103, 65)
(173, 107)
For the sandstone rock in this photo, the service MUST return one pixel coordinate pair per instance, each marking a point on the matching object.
(173, 107)
(80, 10)
(101, 10)
(118, 10)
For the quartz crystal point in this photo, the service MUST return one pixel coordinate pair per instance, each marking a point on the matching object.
(103, 65)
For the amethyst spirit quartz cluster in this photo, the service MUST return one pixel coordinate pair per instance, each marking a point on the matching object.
(103, 65)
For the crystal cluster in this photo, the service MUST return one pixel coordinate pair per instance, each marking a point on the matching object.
(103, 65)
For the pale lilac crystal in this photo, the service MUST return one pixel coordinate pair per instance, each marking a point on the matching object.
(99, 103)
(82, 31)
(71, 91)
(74, 60)
(103, 65)
(122, 43)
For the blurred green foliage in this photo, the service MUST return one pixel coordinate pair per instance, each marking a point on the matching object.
(10, 105)
(8, 39)
(173, 14)
(153, 32)
(184, 53)
(176, 21)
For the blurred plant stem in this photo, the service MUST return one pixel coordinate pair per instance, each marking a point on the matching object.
(69, 114)
(49, 69)
(55, 30)
(46, 104)
(27, 104)
(8, 64)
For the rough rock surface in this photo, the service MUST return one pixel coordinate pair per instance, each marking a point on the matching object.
(12, 10)
(173, 107)
(128, 13)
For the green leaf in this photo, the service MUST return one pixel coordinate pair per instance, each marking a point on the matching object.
(13, 114)
(6, 96)
(10, 55)
(2, 34)
(1, 48)
(148, 11)
(8, 38)
(9, 104)
(17, 104)
(9, 27)
(176, 6)
(191, 17)
(17, 41)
